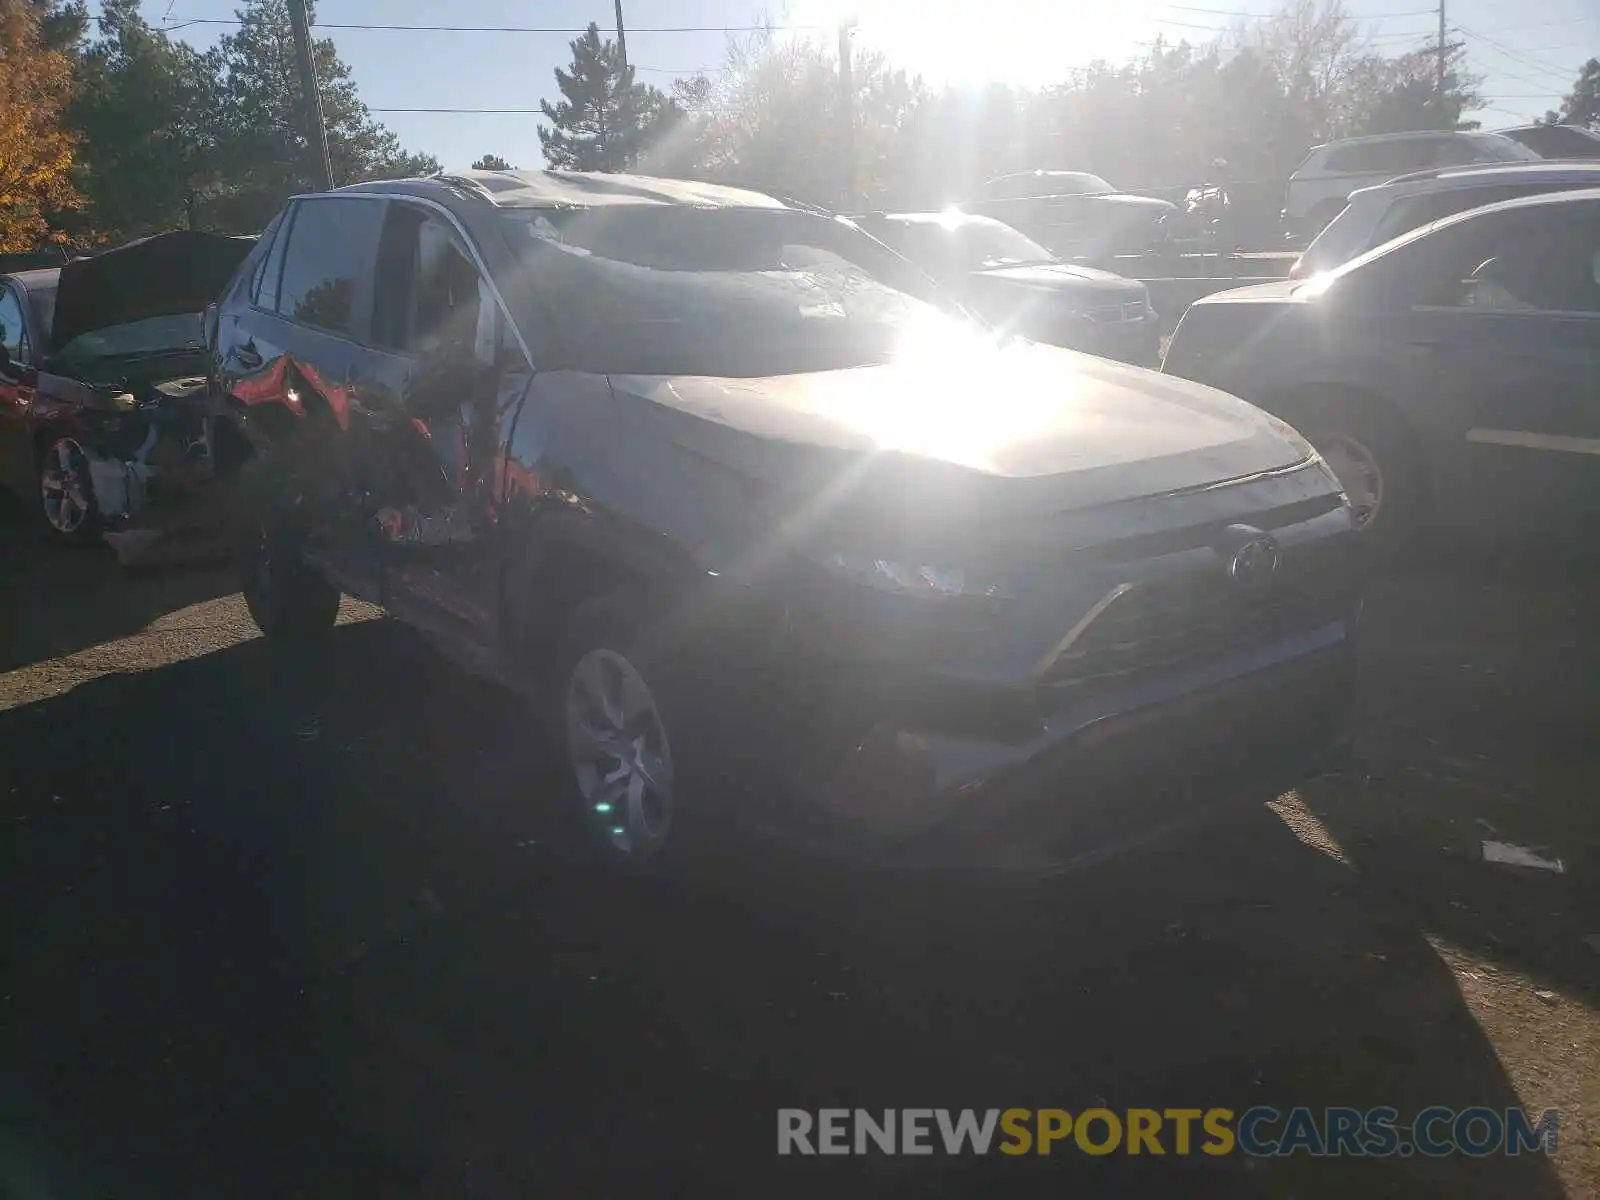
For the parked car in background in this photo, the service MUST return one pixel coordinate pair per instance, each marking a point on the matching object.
(1074, 214)
(1451, 375)
(1325, 178)
(1374, 215)
(1020, 287)
(102, 388)
(1557, 141)
(764, 517)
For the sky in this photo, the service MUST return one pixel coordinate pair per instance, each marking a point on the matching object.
(1529, 51)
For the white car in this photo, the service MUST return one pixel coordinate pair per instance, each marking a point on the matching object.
(1376, 214)
(1329, 173)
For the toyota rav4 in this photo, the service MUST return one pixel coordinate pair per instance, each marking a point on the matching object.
(776, 533)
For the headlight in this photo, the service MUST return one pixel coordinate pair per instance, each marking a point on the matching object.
(911, 579)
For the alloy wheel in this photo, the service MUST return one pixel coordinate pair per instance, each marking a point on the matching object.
(64, 486)
(619, 754)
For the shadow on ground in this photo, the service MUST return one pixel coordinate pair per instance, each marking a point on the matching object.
(282, 925)
(56, 599)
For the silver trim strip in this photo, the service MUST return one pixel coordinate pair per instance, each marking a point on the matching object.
(1535, 441)
(1078, 628)
(466, 239)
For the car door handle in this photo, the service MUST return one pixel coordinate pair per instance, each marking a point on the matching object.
(248, 356)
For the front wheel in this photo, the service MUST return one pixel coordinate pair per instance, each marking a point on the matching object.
(1373, 452)
(624, 728)
(66, 493)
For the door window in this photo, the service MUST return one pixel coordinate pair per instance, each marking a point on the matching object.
(328, 262)
(433, 299)
(1526, 264)
(13, 332)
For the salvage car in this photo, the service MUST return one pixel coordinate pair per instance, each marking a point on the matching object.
(1018, 286)
(1076, 214)
(1448, 376)
(103, 386)
(778, 537)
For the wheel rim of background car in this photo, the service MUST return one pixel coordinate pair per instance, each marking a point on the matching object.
(1358, 473)
(63, 485)
(619, 753)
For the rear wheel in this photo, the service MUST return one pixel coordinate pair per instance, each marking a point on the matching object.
(286, 597)
(66, 492)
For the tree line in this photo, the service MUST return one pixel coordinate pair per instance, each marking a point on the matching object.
(110, 129)
(1257, 97)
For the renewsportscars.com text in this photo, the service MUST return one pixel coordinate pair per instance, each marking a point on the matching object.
(1261, 1131)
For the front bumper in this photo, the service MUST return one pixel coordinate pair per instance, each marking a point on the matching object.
(1095, 774)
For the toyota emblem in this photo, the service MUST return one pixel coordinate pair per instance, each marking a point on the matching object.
(1255, 562)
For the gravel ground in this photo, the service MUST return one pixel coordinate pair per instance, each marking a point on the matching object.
(277, 926)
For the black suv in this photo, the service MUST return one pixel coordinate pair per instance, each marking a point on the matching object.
(777, 533)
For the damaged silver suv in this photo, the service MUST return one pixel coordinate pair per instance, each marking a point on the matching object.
(102, 386)
(775, 533)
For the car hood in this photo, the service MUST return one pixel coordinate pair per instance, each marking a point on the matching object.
(1277, 292)
(164, 275)
(1056, 277)
(1016, 427)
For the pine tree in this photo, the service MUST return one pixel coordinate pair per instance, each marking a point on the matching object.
(492, 162)
(604, 120)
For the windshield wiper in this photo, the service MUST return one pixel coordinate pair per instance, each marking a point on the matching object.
(143, 355)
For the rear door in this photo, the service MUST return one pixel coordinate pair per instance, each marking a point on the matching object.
(1510, 342)
(441, 397)
(291, 358)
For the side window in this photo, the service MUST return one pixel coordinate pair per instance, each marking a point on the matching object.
(1526, 264)
(13, 333)
(432, 296)
(1452, 152)
(268, 249)
(328, 262)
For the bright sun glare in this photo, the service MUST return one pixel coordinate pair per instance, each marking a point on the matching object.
(958, 42)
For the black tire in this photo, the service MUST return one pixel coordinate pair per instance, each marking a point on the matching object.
(286, 597)
(1346, 426)
(614, 637)
(80, 530)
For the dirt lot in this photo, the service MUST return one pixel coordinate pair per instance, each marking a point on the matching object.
(286, 927)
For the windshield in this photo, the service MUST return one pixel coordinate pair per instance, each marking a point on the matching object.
(137, 339)
(963, 244)
(649, 290)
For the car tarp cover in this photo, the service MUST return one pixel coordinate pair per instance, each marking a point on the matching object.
(170, 273)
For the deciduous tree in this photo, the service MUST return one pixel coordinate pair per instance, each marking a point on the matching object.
(35, 149)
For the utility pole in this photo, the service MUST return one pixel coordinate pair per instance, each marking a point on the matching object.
(847, 117)
(1438, 86)
(316, 131)
(625, 98)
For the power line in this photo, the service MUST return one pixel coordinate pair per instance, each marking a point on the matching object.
(409, 28)
(1517, 55)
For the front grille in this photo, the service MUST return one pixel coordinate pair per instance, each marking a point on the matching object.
(1117, 314)
(1162, 627)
